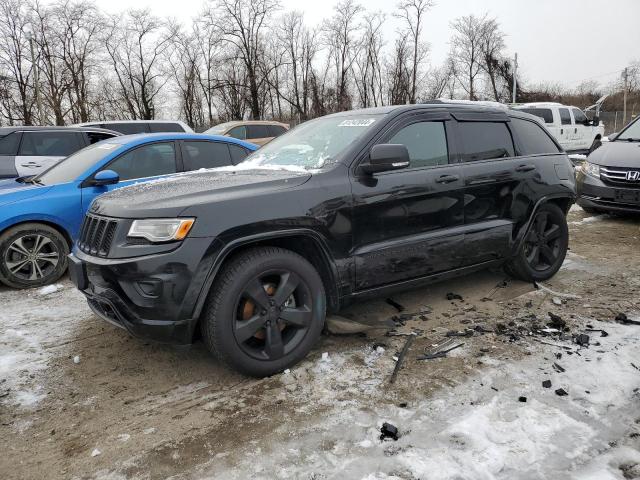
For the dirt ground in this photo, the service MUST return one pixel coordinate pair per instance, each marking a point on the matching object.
(82, 399)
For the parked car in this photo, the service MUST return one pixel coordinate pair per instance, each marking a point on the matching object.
(609, 179)
(344, 207)
(254, 131)
(569, 125)
(40, 216)
(132, 127)
(28, 151)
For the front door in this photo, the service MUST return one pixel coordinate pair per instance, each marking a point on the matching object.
(407, 223)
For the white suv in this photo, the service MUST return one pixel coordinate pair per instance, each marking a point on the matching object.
(569, 125)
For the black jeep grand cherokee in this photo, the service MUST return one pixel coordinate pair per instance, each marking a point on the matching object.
(343, 207)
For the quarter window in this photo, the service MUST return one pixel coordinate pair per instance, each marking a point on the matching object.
(238, 132)
(50, 144)
(565, 116)
(146, 161)
(238, 154)
(9, 144)
(205, 155)
(276, 130)
(533, 139)
(426, 142)
(485, 141)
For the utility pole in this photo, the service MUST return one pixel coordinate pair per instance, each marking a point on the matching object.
(626, 87)
(36, 80)
(515, 73)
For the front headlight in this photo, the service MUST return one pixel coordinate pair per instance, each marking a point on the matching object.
(591, 169)
(161, 229)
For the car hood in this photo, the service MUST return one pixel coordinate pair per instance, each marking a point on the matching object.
(12, 191)
(617, 154)
(168, 197)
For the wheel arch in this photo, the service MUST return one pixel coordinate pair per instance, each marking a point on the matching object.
(56, 226)
(307, 243)
(563, 201)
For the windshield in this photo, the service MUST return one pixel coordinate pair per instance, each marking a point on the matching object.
(73, 166)
(219, 129)
(313, 144)
(632, 132)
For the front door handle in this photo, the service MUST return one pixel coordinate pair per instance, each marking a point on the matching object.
(447, 178)
(525, 168)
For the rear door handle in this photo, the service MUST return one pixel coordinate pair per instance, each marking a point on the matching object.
(525, 168)
(447, 178)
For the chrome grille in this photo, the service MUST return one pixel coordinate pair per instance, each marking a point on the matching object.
(620, 176)
(96, 235)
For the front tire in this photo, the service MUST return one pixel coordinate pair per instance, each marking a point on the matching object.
(265, 311)
(32, 255)
(544, 247)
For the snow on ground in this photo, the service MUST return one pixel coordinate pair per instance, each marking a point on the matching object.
(29, 329)
(595, 218)
(478, 430)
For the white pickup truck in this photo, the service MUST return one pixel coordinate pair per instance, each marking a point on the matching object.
(569, 125)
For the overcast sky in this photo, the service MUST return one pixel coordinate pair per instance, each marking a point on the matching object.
(557, 40)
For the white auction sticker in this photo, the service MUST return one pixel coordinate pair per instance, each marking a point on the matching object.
(359, 122)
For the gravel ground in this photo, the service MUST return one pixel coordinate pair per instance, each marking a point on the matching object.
(82, 399)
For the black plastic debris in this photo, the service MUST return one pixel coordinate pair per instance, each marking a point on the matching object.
(522, 399)
(453, 296)
(561, 392)
(603, 333)
(403, 404)
(622, 318)
(454, 333)
(546, 384)
(441, 350)
(388, 431)
(395, 304)
(556, 321)
(558, 368)
(403, 354)
(582, 340)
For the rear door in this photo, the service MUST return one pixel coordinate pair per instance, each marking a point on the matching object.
(495, 185)
(141, 163)
(407, 223)
(40, 150)
(582, 132)
(197, 154)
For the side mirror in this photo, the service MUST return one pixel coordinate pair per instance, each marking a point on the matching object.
(612, 136)
(385, 157)
(105, 177)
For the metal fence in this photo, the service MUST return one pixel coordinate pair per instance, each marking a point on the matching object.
(614, 121)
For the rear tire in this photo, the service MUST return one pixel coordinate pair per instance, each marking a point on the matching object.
(544, 247)
(32, 255)
(265, 311)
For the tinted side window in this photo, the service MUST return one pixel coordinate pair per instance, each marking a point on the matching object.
(485, 140)
(238, 132)
(50, 144)
(128, 128)
(146, 161)
(544, 113)
(578, 116)
(9, 144)
(95, 137)
(156, 127)
(198, 155)
(565, 116)
(533, 139)
(238, 154)
(426, 142)
(276, 130)
(257, 131)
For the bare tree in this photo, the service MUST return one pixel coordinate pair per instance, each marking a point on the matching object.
(136, 44)
(412, 13)
(209, 43)
(467, 51)
(492, 46)
(399, 77)
(242, 23)
(369, 75)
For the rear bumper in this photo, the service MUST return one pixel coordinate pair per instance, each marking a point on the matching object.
(152, 297)
(594, 193)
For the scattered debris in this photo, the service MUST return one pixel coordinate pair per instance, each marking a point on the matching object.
(388, 431)
(622, 318)
(454, 296)
(634, 366)
(556, 321)
(603, 333)
(338, 325)
(546, 384)
(540, 286)
(440, 351)
(395, 304)
(558, 368)
(95, 452)
(556, 301)
(403, 353)
(582, 340)
(454, 333)
(325, 356)
(561, 392)
(403, 404)
(522, 399)
(76, 359)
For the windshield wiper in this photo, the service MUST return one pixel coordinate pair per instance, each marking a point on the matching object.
(29, 179)
(630, 139)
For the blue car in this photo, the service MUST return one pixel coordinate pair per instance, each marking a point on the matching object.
(40, 216)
